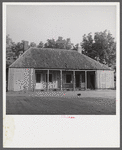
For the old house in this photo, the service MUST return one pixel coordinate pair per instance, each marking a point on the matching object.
(58, 69)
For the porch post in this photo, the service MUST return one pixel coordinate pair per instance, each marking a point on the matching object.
(73, 80)
(85, 80)
(47, 79)
(95, 80)
(34, 80)
(61, 80)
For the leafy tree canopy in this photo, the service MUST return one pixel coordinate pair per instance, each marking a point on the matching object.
(101, 47)
(32, 44)
(59, 43)
(50, 43)
(41, 45)
(75, 47)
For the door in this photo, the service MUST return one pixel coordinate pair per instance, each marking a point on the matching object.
(77, 80)
(92, 79)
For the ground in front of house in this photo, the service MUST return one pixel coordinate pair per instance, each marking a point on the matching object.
(97, 102)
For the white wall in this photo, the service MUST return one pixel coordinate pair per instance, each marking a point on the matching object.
(20, 79)
(104, 79)
(11, 79)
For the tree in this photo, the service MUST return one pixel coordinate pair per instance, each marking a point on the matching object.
(75, 47)
(32, 44)
(14, 50)
(40, 45)
(50, 43)
(18, 47)
(60, 43)
(10, 51)
(101, 47)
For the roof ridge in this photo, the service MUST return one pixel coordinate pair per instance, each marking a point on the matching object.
(56, 49)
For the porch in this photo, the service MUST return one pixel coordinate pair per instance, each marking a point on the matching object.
(70, 80)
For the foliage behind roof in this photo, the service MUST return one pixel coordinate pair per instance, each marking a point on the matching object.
(46, 58)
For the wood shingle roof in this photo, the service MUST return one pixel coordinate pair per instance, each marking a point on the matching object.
(45, 58)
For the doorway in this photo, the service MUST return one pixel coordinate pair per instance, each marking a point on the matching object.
(91, 80)
(77, 80)
(39, 84)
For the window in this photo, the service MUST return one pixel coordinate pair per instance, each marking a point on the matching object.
(50, 77)
(68, 78)
(38, 78)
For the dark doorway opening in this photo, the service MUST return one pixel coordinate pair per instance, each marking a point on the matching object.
(91, 79)
(77, 80)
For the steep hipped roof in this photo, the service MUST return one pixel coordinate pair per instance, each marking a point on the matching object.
(45, 58)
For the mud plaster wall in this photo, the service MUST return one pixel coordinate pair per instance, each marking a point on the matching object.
(20, 79)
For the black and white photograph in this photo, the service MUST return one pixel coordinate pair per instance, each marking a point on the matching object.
(61, 60)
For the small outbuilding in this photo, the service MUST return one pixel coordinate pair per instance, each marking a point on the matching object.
(58, 69)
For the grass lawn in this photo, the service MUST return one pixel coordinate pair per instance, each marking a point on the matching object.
(60, 105)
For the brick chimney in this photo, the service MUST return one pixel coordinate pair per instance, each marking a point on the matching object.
(60, 38)
(79, 49)
(26, 46)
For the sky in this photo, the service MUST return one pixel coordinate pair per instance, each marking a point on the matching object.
(35, 23)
